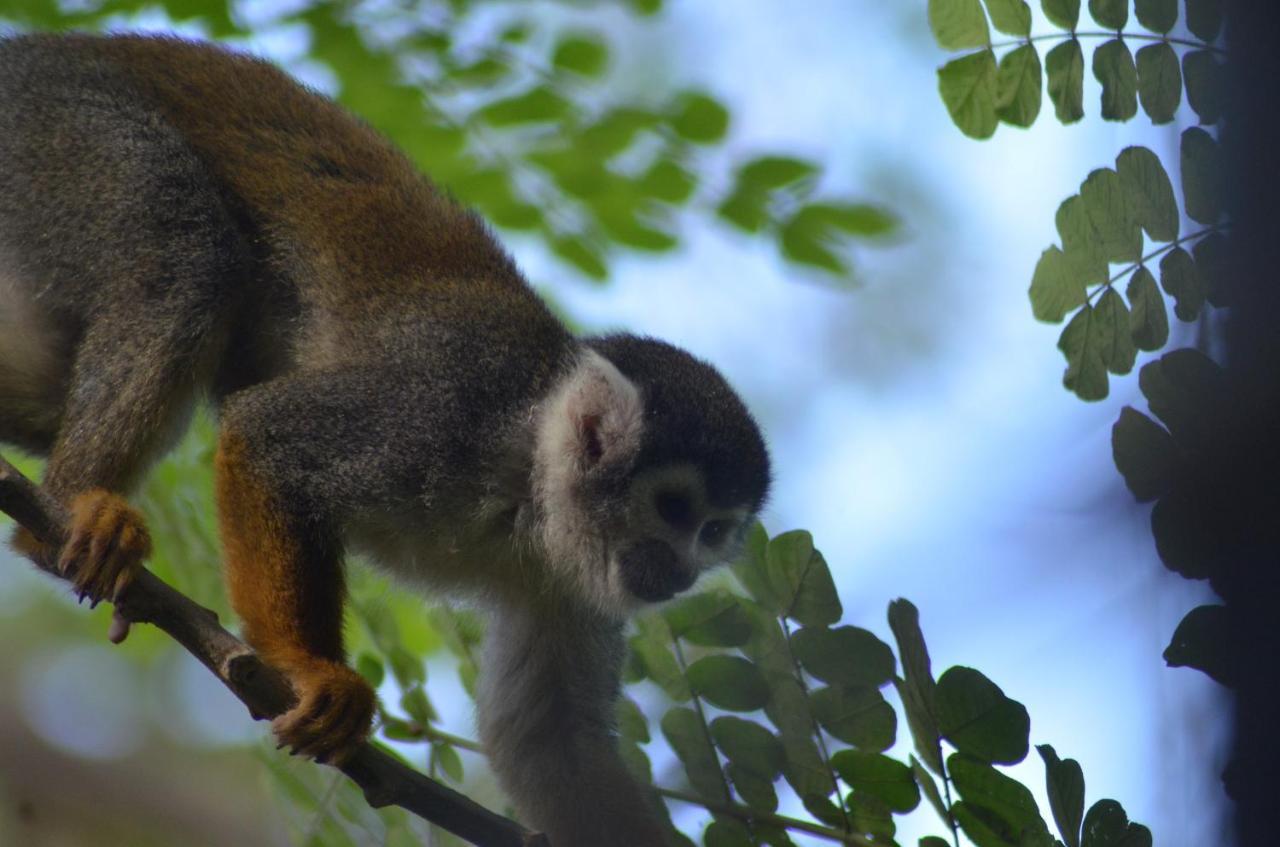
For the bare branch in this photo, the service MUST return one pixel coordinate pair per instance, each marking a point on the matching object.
(385, 780)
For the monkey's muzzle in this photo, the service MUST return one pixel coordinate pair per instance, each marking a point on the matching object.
(652, 571)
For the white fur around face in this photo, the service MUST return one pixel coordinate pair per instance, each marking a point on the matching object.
(594, 417)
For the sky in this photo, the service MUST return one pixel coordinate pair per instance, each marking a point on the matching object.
(916, 418)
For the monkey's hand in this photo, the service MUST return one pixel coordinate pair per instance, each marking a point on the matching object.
(106, 543)
(333, 715)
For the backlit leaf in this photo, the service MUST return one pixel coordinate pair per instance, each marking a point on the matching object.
(968, 88)
(1204, 18)
(1110, 14)
(1082, 246)
(802, 580)
(1113, 67)
(586, 55)
(1064, 66)
(1159, 82)
(699, 118)
(858, 716)
(1012, 17)
(1201, 173)
(684, 732)
(958, 24)
(848, 656)
(1081, 343)
(729, 682)
(879, 775)
(977, 717)
(537, 105)
(1064, 783)
(1055, 290)
(1204, 75)
(749, 745)
(1106, 825)
(1148, 192)
(1106, 203)
(1118, 351)
(1148, 323)
(1063, 13)
(1157, 16)
(1018, 82)
(1013, 810)
(1180, 278)
(712, 618)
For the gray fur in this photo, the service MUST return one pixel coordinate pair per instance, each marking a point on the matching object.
(389, 372)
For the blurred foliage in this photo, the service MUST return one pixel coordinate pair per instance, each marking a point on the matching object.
(519, 120)
(1201, 453)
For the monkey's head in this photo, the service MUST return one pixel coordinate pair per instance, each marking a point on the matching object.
(648, 469)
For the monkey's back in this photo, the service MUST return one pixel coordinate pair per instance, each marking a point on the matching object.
(335, 228)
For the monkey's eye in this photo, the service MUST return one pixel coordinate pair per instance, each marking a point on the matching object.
(715, 532)
(674, 508)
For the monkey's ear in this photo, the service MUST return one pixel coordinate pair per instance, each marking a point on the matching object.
(596, 416)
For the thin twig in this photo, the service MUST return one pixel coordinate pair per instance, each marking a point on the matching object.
(384, 779)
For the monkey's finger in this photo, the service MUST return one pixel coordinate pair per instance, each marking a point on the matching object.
(119, 629)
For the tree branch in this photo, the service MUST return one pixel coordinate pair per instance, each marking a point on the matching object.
(385, 780)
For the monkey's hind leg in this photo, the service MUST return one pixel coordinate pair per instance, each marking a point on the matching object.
(284, 571)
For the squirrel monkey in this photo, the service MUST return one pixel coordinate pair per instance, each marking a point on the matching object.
(181, 223)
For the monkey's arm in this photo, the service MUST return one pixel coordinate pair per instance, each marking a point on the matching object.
(547, 694)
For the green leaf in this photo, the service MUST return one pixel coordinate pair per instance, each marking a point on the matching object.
(752, 570)
(1064, 783)
(1148, 323)
(1081, 342)
(583, 54)
(1063, 13)
(1106, 825)
(368, 666)
(1186, 390)
(582, 255)
(1110, 14)
(748, 211)
(1148, 192)
(968, 88)
(1113, 67)
(729, 682)
(958, 24)
(614, 132)
(983, 827)
(1204, 18)
(934, 841)
(727, 832)
(687, 737)
(632, 724)
(870, 814)
(1012, 17)
(929, 789)
(699, 118)
(1181, 280)
(847, 656)
(767, 173)
(1106, 203)
(416, 705)
(1010, 802)
(1118, 351)
(1204, 74)
(1064, 66)
(668, 181)
(1157, 16)
(1214, 259)
(713, 618)
(917, 690)
(1018, 84)
(977, 717)
(821, 807)
(749, 746)
(1204, 640)
(788, 710)
(857, 716)
(1054, 288)
(804, 240)
(756, 790)
(538, 105)
(1144, 454)
(1081, 243)
(645, 7)
(1201, 173)
(652, 646)
(879, 775)
(1159, 82)
(449, 761)
(801, 580)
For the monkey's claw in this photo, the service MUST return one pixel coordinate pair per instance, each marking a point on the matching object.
(106, 545)
(333, 715)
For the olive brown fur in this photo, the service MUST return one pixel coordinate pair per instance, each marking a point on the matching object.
(183, 224)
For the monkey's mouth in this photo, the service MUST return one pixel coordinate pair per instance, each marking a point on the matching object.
(652, 572)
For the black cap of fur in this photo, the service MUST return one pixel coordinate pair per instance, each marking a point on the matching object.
(693, 416)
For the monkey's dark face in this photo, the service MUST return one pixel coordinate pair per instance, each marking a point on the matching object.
(635, 498)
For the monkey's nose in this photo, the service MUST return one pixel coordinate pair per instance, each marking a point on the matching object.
(652, 571)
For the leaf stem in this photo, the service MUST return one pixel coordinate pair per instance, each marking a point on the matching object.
(702, 718)
(817, 729)
(1132, 36)
(746, 814)
(1209, 230)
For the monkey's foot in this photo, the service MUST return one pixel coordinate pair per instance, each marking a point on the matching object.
(333, 715)
(106, 545)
